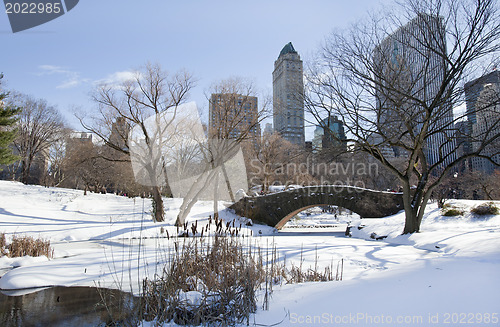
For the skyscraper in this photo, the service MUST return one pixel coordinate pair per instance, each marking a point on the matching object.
(288, 102)
(409, 60)
(472, 91)
(474, 88)
(485, 126)
(231, 115)
(329, 134)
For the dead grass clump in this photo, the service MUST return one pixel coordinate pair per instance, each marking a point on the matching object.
(216, 224)
(25, 246)
(214, 280)
(206, 283)
(3, 244)
(298, 275)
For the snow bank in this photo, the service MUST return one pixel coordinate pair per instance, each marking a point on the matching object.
(58, 214)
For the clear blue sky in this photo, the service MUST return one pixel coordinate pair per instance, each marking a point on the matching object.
(101, 39)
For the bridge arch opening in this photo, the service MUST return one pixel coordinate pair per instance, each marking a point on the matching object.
(338, 210)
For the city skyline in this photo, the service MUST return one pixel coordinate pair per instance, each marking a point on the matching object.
(61, 61)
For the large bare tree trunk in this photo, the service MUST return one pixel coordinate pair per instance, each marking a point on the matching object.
(159, 212)
(228, 183)
(216, 196)
(192, 196)
(411, 221)
(25, 172)
(415, 203)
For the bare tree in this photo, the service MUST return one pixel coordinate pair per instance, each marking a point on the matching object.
(39, 126)
(81, 164)
(394, 80)
(56, 159)
(85, 168)
(234, 119)
(474, 185)
(483, 186)
(276, 160)
(146, 104)
(450, 187)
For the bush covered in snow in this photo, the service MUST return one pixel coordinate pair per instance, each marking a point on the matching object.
(484, 209)
(449, 210)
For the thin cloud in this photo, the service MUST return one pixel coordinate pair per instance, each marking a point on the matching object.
(69, 84)
(50, 69)
(117, 78)
(71, 78)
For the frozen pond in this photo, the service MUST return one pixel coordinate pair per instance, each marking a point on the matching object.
(67, 306)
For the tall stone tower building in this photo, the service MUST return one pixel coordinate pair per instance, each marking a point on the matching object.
(288, 102)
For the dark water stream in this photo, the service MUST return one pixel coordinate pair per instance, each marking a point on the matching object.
(69, 306)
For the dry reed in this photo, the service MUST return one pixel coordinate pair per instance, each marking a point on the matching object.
(25, 246)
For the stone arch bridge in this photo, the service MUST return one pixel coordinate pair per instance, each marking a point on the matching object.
(277, 208)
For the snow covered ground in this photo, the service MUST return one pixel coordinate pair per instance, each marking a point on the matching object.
(449, 274)
(452, 277)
